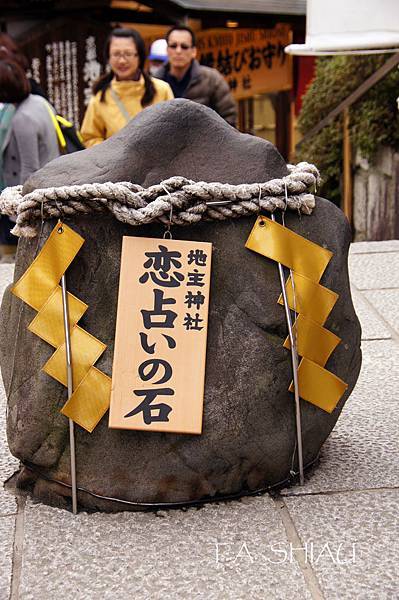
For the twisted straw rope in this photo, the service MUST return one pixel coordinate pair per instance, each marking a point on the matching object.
(177, 200)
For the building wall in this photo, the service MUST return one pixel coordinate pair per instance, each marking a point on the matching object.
(376, 197)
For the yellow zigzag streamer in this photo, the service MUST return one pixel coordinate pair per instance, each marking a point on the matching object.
(39, 287)
(313, 303)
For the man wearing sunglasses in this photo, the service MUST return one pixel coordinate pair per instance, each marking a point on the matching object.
(189, 79)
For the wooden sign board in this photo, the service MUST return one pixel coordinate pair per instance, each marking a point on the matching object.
(252, 61)
(65, 59)
(158, 375)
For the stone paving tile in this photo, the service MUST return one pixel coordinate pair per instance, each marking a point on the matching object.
(374, 271)
(7, 526)
(6, 277)
(366, 519)
(169, 555)
(8, 464)
(387, 303)
(173, 554)
(368, 247)
(362, 450)
(373, 328)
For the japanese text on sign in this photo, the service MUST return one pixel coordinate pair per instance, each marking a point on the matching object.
(251, 60)
(160, 343)
(65, 61)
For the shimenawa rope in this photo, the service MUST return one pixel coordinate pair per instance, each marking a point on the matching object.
(188, 201)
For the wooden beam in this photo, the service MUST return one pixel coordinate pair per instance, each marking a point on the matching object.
(291, 154)
(214, 19)
(120, 15)
(347, 163)
(174, 12)
(282, 109)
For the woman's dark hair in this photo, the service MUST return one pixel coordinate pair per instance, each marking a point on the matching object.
(182, 28)
(103, 83)
(14, 85)
(12, 50)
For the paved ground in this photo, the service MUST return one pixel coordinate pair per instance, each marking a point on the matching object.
(335, 538)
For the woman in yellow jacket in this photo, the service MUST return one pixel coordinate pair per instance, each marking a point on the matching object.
(123, 91)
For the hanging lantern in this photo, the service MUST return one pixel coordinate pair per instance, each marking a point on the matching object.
(349, 27)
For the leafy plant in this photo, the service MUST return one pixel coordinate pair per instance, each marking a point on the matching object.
(374, 118)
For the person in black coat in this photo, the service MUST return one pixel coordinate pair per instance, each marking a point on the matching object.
(188, 79)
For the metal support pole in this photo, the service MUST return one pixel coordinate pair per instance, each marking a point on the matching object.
(294, 359)
(70, 392)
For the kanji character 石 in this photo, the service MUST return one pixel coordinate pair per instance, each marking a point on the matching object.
(162, 410)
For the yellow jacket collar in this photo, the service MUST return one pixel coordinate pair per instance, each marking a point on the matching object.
(128, 88)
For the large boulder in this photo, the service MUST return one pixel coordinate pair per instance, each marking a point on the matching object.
(248, 436)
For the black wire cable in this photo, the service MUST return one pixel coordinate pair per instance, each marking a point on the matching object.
(181, 504)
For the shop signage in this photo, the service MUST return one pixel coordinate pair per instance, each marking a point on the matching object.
(251, 60)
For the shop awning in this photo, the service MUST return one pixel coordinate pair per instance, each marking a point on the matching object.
(285, 7)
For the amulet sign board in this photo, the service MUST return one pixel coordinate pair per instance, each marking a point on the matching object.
(160, 343)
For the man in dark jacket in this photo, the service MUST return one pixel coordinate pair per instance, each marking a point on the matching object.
(188, 79)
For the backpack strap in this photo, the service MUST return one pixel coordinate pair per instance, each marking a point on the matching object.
(120, 105)
(6, 114)
(69, 125)
(60, 135)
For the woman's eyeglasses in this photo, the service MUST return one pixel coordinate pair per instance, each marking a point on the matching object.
(127, 54)
(182, 46)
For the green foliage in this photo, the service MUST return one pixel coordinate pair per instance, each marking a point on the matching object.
(374, 118)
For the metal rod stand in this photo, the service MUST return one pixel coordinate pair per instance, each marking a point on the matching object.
(294, 359)
(70, 392)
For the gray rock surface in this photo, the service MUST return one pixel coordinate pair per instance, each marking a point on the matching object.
(178, 137)
(248, 436)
